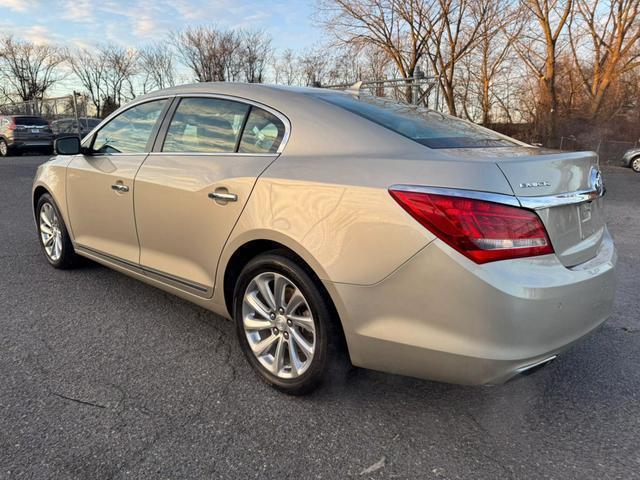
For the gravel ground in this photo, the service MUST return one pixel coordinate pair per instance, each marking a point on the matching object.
(102, 376)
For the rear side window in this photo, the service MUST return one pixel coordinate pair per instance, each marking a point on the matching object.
(427, 127)
(263, 132)
(38, 121)
(129, 132)
(205, 125)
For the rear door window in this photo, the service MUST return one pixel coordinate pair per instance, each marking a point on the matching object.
(263, 132)
(205, 125)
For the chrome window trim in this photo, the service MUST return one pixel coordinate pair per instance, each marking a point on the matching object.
(214, 154)
(531, 203)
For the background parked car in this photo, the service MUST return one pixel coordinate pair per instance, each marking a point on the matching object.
(631, 158)
(24, 132)
(69, 126)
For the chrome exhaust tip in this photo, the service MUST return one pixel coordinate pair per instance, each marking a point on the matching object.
(529, 369)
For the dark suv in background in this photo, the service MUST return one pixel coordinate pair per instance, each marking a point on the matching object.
(24, 132)
(69, 126)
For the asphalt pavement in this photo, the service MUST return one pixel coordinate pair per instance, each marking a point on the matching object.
(103, 377)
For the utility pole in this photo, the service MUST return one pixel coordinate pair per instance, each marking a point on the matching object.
(75, 111)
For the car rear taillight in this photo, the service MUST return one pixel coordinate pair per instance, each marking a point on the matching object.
(482, 231)
(12, 125)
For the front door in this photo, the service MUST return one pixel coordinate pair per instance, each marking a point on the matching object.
(100, 184)
(190, 193)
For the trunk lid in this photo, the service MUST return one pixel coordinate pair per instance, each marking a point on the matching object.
(564, 188)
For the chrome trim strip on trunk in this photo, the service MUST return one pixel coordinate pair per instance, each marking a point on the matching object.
(532, 203)
(457, 192)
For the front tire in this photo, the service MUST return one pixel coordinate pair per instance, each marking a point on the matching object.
(635, 164)
(52, 232)
(283, 323)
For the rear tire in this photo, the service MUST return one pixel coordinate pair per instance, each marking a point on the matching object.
(635, 164)
(297, 329)
(5, 151)
(54, 237)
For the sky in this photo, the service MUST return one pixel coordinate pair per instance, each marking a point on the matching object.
(84, 23)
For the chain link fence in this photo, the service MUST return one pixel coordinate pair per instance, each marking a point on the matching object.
(609, 151)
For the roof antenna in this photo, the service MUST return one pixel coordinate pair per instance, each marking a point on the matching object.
(354, 89)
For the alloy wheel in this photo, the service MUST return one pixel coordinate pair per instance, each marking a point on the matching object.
(279, 325)
(635, 164)
(50, 232)
(4, 149)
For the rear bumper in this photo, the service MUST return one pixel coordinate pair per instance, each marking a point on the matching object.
(32, 143)
(442, 317)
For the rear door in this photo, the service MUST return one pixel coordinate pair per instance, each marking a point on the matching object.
(191, 190)
(100, 185)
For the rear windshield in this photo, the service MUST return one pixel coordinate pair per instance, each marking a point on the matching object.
(427, 127)
(30, 121)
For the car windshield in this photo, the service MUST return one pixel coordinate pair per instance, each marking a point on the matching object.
(30, 121)
(427, 127)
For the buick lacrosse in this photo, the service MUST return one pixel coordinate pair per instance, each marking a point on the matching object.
(425, 244)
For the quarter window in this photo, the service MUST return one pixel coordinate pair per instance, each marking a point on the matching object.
(129, 132)
(205, 125)
(263, 132)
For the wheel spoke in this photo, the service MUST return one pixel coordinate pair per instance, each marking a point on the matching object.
(278, 357)
(262, 346)
(44, 219)
(295, 302)
(279, 287)
(251, 323)
(45, 229)
(57, 248)
(302, 343)
(252, 300)
(296, 364)
(265, 291)
(303, 321)
(48, 241)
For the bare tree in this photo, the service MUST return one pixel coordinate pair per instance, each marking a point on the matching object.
(313, 68)
(612, 31)
(490, 58)
(255, 54)
(538, 49)
(120, 69)
(106, 73)
(90, 69)
(454, 34)
(286, 68)
(28, 70)
(210, 53)
(156, 63)
(401, 29)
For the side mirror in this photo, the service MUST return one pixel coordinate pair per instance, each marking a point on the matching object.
(67, 145)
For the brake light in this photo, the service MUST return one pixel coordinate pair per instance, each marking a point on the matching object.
(482, 231)
(12, 125)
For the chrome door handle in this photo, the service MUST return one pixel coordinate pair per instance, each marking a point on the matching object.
(119, 187)
(224, 196)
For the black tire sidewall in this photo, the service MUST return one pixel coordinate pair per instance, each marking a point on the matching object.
(279, 263)
(68, 257)
(2, 140)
